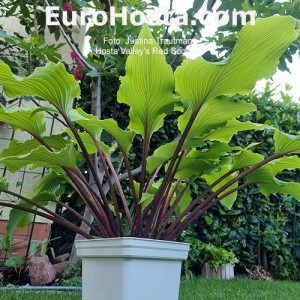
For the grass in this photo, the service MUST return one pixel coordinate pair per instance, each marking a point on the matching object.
(238, 289)
(197, 289)
(38, 295)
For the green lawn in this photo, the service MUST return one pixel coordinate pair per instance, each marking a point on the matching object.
(40, 295)
(239, 289)
(198, 289)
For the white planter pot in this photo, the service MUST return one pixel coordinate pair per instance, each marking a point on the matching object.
(225, 271)
(131, 268)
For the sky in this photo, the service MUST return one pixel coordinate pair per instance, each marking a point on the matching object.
(280, 79)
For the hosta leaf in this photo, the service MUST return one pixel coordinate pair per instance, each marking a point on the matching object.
(284, 163)
(3, 184)
(185, 200)
(48, 108)
(268, 184)
(17, 219)
(147, 86)
(51, 183)
(160, 156)
(88, 142)
(23, 119)
(211, 178)
(246, 159)
(214, 114)
(225, 134)
(95, 126)
(51, 83)
(190, 167)
(286, 143)
(86, 121)
(254, 57)
(67, 157)
(216, 151)
(17, 148)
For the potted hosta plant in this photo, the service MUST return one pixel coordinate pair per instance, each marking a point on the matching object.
(133, 237)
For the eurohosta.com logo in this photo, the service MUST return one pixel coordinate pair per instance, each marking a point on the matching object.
(153, 18)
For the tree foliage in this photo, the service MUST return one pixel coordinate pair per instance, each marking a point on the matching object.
(260, 230)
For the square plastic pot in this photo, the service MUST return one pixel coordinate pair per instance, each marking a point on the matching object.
(131, 268)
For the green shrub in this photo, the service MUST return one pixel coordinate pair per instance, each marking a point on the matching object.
(201, 253)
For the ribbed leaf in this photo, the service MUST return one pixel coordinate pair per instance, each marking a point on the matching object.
(18, 148)
(286, 143)
(225, 134)
(254, 57)
(88, 142)
(246, 159)
(95, 126)
(51, 83)
(67, 157)
(147, 86)
(23, 119)
(268, 184)
(86, 121)
(284, 163)
(51, 183)
(216, 151)
(163, 153)
(210, 179)
(190, 167)
(160, 156)
(214, 114)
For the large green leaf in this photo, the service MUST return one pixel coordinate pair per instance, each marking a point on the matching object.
(225, 134)
(51, 183)
(214, 152)
(95, 126)
(286, 143)
(147, 86)
(214, 114)
(18, 148)
(191, 167)
(245, 159)
(24, 119)
(268, 184)
(284, 163)
(88, 142)
(185, 200)
(160, 156)
(51, 83)
(67, 157)
(254, 57)
(211, 178)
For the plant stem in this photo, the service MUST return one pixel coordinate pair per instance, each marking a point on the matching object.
(80, 217)
(182, 227)
(196, 200)
(112, 191)
(137, 223)
(190, 218)
(92, 168)
(164, 223)
(160, 192)
(61, 221)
